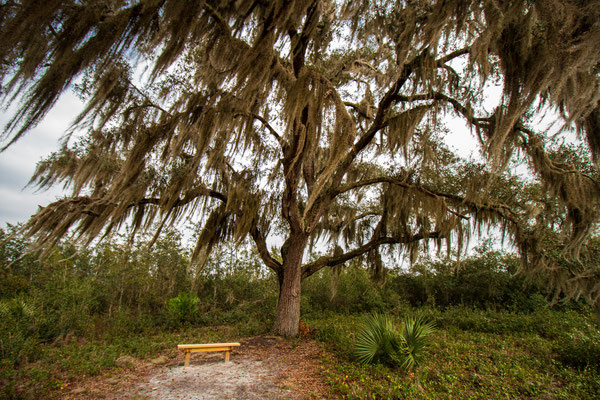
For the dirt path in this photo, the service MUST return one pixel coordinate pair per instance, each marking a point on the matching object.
(262, 368)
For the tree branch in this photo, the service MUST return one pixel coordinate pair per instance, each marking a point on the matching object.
(188, 197)
(397, 182)
(481, 122)
(146, 97)
(270, 129)
(378, 123)
(330, 261)
(533, 136)
(357, 108)
(89, 202)
(151, 105)
(299, 42)
(461, 109)
(502, 209)
(384, 105)
(261, 246)
(389, 99)
(443, 60)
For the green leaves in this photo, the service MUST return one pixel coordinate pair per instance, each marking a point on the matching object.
(184, 307)
(379, 342)
(414, 336)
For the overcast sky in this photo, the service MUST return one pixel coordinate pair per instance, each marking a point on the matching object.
(17, 163)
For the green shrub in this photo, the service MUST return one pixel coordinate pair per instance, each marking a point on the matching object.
(580, 346)
(183, 308)
(379, 342)
(350, 291)
(580, 353)
(547, 323)
(18, 331)
(484, 280)
(337, 331)
(415, 335)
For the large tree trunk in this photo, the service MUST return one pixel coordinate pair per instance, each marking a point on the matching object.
(288, 305)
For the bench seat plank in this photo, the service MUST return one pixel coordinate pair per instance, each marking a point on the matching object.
(196, 348)
(206, 346)
(204, 350)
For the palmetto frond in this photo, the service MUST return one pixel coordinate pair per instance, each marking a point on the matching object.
(379, 341)
(415, 337)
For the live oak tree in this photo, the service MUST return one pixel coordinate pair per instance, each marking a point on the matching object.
(316, 120)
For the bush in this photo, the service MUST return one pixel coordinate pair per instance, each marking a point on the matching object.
(18, 332)
(183, 308)
(580, 346)
(485, 280)
(379, 342)
(337, 331)
(580, 352)
(415, 334)
(547, 323)
(350, 291)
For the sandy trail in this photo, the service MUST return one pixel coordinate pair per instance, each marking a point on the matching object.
(262, 368)
(238, 379)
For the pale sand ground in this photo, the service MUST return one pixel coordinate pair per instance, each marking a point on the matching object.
(237, 379)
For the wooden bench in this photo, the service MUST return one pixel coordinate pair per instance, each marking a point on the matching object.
(197, 348)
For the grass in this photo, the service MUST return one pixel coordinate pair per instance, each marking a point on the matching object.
(468, 364)
(473, 355)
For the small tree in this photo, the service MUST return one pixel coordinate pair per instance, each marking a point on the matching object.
(314, 120)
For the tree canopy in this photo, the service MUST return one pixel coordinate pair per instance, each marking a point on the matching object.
(317, 120)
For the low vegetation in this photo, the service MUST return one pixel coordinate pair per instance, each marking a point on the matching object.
(465, 363)
(73, 315)
(379, 341)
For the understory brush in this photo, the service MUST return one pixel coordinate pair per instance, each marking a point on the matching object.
(481, 359)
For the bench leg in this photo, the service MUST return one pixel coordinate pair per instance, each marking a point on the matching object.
(187, 358)
(227, 355)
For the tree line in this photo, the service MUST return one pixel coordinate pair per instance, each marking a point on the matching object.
(116, 288)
